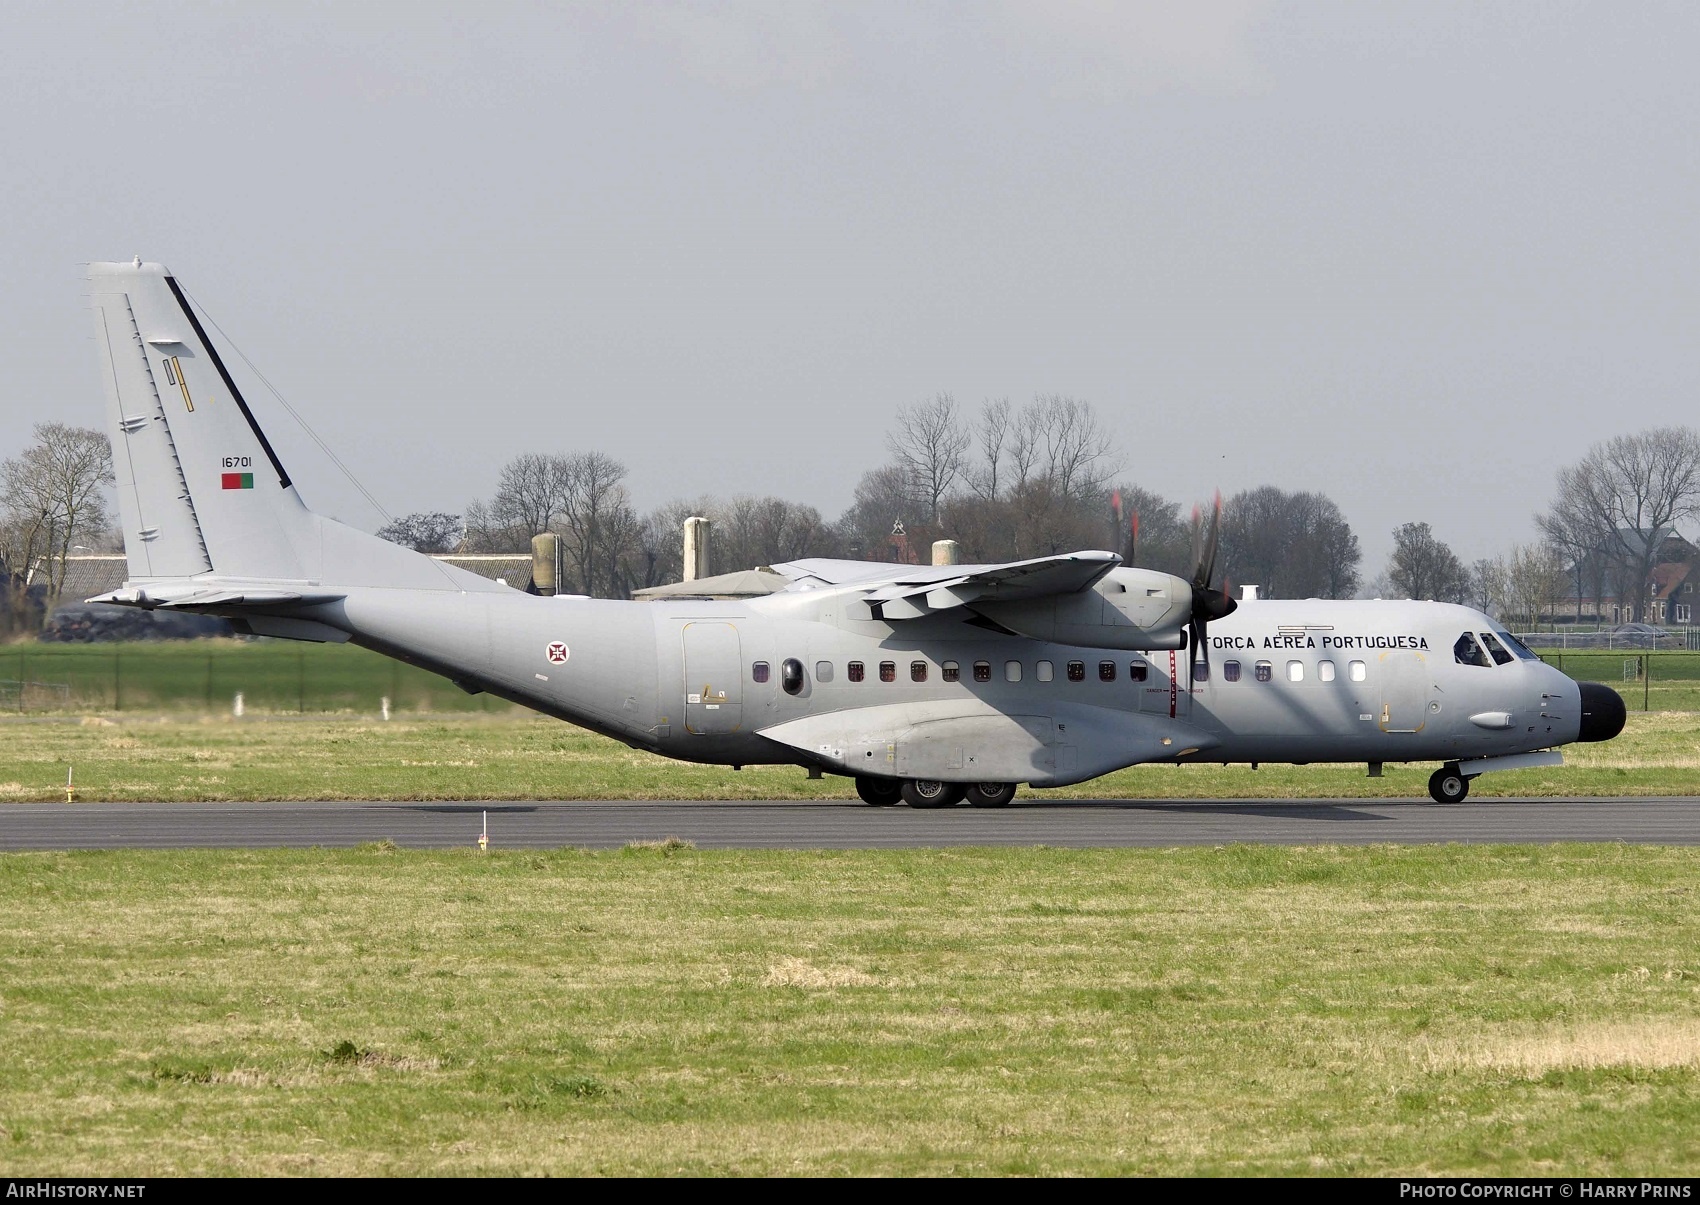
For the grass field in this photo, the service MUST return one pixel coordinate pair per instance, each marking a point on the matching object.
(280, 676)
(521, 756)
(1435, 1011)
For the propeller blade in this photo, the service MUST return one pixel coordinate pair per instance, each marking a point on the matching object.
(1207, 602)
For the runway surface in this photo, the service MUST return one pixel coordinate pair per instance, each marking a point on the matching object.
(836, 824)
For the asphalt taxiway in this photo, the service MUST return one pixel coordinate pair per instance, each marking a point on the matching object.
(839, 824)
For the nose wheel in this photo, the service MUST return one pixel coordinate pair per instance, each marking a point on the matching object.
(1448, 785)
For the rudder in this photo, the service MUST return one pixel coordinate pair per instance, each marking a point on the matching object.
(200, 489)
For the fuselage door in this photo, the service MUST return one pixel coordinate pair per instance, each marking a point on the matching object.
(1404, 691)
(713, 678)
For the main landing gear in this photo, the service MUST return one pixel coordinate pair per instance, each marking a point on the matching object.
(929, 793)
(990, 794)
(879, 792)
(1448, 785)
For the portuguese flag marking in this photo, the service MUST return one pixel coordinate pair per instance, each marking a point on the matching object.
(238, 481)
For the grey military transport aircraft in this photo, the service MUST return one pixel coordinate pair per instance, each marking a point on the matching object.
(927, 684)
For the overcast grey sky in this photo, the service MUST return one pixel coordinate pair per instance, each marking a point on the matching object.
(1416, 256)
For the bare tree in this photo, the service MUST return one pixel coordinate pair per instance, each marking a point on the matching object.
(1534, 581)
(750, 532)
(1165, 540)
(661, 543)
(929, 441)
(1080, 457)
(51, 498)
(1290, 545)
(1487, 585)
(991, 435)
(529, 495)
(593, 509)
(424, 531)
(1623, 500)
(884, 497)
(1423, 567)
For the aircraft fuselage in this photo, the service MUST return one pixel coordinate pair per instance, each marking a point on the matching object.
(1307, 681)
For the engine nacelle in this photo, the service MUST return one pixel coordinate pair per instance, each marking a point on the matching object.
(1127, 609)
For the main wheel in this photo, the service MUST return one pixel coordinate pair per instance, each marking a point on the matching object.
(879, 792)
(930, 793)
(1448, 785)
(990, 794)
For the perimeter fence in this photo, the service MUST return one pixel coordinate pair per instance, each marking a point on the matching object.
(274, 676)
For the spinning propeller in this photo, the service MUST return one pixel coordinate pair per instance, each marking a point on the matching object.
(1207, 601)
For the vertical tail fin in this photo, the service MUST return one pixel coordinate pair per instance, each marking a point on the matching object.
(201, 492)
(200, 489)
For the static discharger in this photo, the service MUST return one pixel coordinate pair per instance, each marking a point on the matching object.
(484, 837)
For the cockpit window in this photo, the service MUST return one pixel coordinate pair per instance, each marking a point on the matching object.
(1517, 646)
(1500, 656)
(1468, 652)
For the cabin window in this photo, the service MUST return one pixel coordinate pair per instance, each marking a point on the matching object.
(823, 671)
(791, 675)
(1077, 671)
(1136, 671)
(888, 671)
(1201, 671)
(1012, 671)
(1467, 652)
(855, 671)
(1263, 671)
(1325, 670)
(1295, 671)
(1496, 649)
(1044, 671)
(982, 671)
(1106, 671)
(1357, 671)
(917, 671)
(1230, 671)
(758, 672)
(951, 670)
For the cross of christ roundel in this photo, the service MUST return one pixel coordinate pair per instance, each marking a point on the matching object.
(557, 652)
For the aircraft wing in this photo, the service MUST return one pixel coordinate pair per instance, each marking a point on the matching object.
(910, 591)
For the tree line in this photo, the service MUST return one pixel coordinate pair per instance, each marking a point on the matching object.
(1006, 481)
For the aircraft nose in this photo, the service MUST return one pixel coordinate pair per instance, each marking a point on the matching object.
(1603, 712)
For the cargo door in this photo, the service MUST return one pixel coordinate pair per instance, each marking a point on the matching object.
(1404, 691)
(714, 676)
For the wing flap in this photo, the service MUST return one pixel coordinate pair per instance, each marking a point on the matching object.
(909, 592)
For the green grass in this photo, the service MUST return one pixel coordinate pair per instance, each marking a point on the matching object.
(1464, 1011)
(521, 756)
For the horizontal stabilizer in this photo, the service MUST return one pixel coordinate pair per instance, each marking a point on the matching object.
(194, 596)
